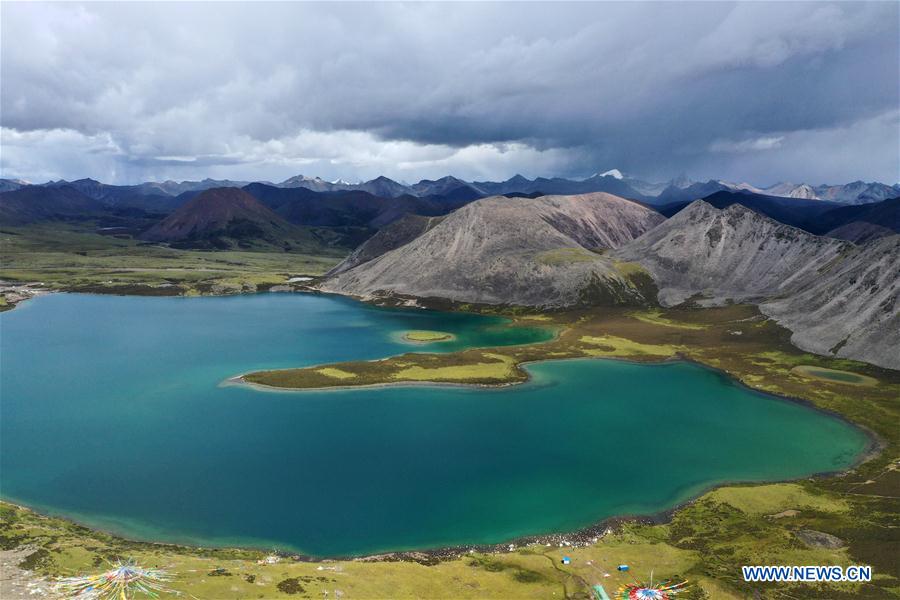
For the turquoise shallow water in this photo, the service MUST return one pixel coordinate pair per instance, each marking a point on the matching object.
(111, 412)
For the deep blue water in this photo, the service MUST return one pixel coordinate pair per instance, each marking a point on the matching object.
(111, 412)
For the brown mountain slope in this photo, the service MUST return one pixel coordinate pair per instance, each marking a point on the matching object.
(499, 250)
(398, 233)
(227, 218)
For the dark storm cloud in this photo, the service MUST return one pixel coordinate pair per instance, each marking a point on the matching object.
(740, 91)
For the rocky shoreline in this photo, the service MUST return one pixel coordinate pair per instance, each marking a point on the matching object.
(13, 293)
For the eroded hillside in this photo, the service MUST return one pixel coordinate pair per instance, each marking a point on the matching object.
(537, 252)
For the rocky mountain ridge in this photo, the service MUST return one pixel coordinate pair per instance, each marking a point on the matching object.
(836, 297)
(499, 250)
(613, 181)
(729, 254)
(852, 309)
(597, 249)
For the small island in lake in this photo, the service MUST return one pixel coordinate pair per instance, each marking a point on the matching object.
(425, 337)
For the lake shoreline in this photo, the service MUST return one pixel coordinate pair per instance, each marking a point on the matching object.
(591, 533)
(584, 536)
(576, 538)
(581, 537)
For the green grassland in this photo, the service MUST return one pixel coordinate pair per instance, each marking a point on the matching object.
(74, 257)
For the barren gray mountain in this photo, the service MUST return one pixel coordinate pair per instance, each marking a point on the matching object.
(791, 190)
(834, 296)
(852, 309)
(536, 252)
(857, 192)
(733, 253)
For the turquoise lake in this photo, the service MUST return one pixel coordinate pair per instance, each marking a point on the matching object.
(112, 413)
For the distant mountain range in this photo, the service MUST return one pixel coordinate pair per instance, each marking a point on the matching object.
(357, 208)
(855, 223)
(30, 204)
(346, 217)
(226, 218)
(680, 189)
(612, 181)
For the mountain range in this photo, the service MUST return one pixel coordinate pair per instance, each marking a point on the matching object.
(351, 216)
(836, 297)
(612, 181)
(346, 218)
(680, 189)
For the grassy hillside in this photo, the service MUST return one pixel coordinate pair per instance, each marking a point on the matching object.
(75, 257)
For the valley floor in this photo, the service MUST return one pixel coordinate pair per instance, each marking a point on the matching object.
(77, 258)
(705, 541)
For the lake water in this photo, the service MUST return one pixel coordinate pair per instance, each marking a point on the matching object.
(111, 413)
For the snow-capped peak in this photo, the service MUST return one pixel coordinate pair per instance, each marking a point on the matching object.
(340, 182)
(742, 186)
(617, 174)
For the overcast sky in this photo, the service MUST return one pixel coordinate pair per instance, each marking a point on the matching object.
(757, 92)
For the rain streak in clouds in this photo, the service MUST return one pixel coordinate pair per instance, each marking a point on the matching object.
(759, 92)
